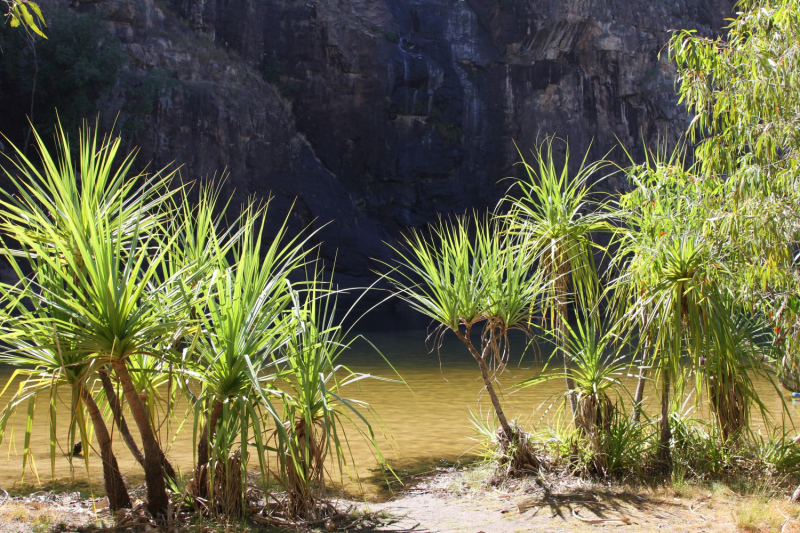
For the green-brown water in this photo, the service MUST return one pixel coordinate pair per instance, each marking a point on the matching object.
(427, 423)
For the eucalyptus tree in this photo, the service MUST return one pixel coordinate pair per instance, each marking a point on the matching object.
(89, 227)
(469, 272)
(557, 216)
(741, 89)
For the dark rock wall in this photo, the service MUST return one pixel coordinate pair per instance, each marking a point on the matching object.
(375, 115)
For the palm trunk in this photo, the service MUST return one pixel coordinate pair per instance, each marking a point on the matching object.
(637, 397)
(122, 425)
(639, 394)
(119, 420)
(664, 454)
(562, 322)
(201, 471)
(157, 501)
(487, 381)
(116, 491)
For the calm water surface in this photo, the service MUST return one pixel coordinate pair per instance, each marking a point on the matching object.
(426, 421)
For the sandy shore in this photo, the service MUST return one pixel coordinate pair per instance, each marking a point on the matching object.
(445, 503)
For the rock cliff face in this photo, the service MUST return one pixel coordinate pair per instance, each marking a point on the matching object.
(374, 115)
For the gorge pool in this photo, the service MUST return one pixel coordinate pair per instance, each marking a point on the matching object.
(425, 421)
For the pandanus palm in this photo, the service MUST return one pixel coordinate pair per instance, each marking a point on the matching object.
(659, 204)
(314, 409)
(670, 290)
(596, 377)
(192, 263)
(200, 239)
(248, 299)
(557, 216)
(595, 372)
(688, 313)
(91, 230)
(119, 316)
(469, 272)
(47, 360)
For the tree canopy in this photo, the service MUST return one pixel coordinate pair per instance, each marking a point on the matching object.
(741, 89)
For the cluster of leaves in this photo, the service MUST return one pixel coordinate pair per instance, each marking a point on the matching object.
(27, 15)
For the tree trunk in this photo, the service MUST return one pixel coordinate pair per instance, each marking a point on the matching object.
(637, 397)
(639, 394)
(119, 420)
(122, 425)
(562, 322)
(664, 453)
(116, 491)
(796, 495)
(157, 501)
(201, 471)
(487, 381)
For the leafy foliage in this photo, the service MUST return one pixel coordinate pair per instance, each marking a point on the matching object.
(27, 15)
(741, 89)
